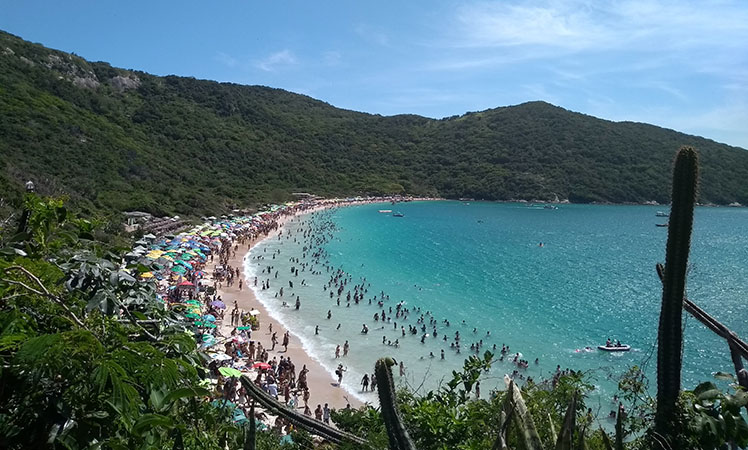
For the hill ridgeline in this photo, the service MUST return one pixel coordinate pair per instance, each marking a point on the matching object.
(114, 139)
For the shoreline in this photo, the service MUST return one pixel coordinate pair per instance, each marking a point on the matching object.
(323, 386)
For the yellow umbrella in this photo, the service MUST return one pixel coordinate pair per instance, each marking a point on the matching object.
(146, 275)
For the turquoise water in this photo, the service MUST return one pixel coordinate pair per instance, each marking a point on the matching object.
(593, 278)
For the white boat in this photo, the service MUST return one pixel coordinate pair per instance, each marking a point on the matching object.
(662, 214)
(385, 211)
(614, 348)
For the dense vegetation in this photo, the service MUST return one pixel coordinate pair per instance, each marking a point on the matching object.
(114, 139)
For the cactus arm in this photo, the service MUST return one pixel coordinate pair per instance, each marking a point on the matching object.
(396, 432)
(670, 333)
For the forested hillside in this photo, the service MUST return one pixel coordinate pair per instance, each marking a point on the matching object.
(114, 139)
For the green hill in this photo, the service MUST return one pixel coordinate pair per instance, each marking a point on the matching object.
(115, 139)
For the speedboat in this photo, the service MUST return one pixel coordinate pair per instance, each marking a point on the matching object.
(614, 348)
(662, 214)
(398, 214)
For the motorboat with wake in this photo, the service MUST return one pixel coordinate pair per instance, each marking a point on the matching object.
(618, 347)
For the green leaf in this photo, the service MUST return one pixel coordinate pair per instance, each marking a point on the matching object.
(149, 421)
(186, 392)
(707, 391)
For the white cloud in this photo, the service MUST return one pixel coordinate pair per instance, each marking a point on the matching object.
(283, 58)
(580, 25)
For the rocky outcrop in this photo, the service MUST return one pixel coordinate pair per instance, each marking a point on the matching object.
(124, 83)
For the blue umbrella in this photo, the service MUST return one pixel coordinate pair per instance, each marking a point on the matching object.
(209, 318)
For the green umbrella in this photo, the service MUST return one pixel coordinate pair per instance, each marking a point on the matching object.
(178, 269)
(243, 328)
(198, 323)
(192, 316)
(210, 325)
(229, 372)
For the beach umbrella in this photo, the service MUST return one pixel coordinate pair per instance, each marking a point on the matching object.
(261, 365)
(218, 304)
(254, 312)
(149, 236)
(209, 318)
(184, 263)
(192, 316)
(209, 325)
(229, 372)
(243, 328)
(179, 269)
(146, 275)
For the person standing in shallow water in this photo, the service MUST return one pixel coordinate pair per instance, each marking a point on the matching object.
(365, 383)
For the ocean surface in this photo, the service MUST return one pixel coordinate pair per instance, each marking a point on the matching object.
(481, 266)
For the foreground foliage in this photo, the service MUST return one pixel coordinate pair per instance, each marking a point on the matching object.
(77, 368)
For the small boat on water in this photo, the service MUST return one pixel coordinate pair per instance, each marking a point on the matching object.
(662, 214)
(662, 224)
(614, 348)
(385, 211)
(398, 214)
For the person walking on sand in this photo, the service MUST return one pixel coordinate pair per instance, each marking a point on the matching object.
(285, 341)
(273, 340)
(306, 398)
(318, 412)
(326, 414)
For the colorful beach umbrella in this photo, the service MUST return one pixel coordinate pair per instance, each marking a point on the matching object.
(243, 328)
(218, 304)
(261, 365)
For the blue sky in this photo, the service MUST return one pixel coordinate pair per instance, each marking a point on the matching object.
(677, 64)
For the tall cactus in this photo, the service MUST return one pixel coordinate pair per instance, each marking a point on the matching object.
(670, 334)
(398, 435)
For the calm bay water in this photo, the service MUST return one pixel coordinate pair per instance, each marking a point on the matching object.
(481, 263)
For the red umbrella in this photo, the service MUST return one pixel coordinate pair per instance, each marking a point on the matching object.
(262, 365)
